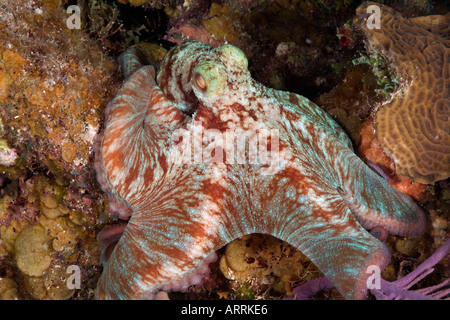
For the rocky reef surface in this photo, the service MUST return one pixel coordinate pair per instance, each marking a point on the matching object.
(56, 80)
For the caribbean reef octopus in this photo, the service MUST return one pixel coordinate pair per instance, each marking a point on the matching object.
(199, 154)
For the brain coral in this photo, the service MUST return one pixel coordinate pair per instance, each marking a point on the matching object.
(414, 127)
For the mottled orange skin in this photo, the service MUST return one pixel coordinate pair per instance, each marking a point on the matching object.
(371, 149)
(316, 195)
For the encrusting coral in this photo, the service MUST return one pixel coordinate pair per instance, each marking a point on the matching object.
(414, 127)
(8, 289)
(33, 250)
(46, 227)
(54, 84)
(268, 260)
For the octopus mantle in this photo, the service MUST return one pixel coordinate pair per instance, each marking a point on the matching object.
(204, 154)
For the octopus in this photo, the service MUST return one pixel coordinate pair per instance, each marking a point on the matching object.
(198, 154)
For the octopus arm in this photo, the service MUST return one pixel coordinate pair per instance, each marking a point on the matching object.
(374, 202)
(138, 122)
(341, 248)
(303, 107)
(167, 243)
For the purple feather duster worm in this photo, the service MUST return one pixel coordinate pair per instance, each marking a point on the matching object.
(396, 290)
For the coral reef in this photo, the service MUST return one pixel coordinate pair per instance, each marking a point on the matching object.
(8, 289)
(217, 26)
(267, 261)
(46, 227)
(54, 84)
(285, 52)
(8, 155)
(154, 3)
(396, 290)
(373, 153)
(414, 126)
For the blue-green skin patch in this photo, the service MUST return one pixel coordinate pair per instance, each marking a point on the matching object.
(316, 194)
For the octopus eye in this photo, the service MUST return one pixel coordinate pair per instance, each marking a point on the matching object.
(209, 79)
(200, 82)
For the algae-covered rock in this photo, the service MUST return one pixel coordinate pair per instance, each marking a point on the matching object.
(51, 206)
(54, 84)
(8, 155)
(266, 260)
(10, 233)
(8, 289)
(33, 251)
(46, 226)
(64, 232)
(56, 285)
(407, 246)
